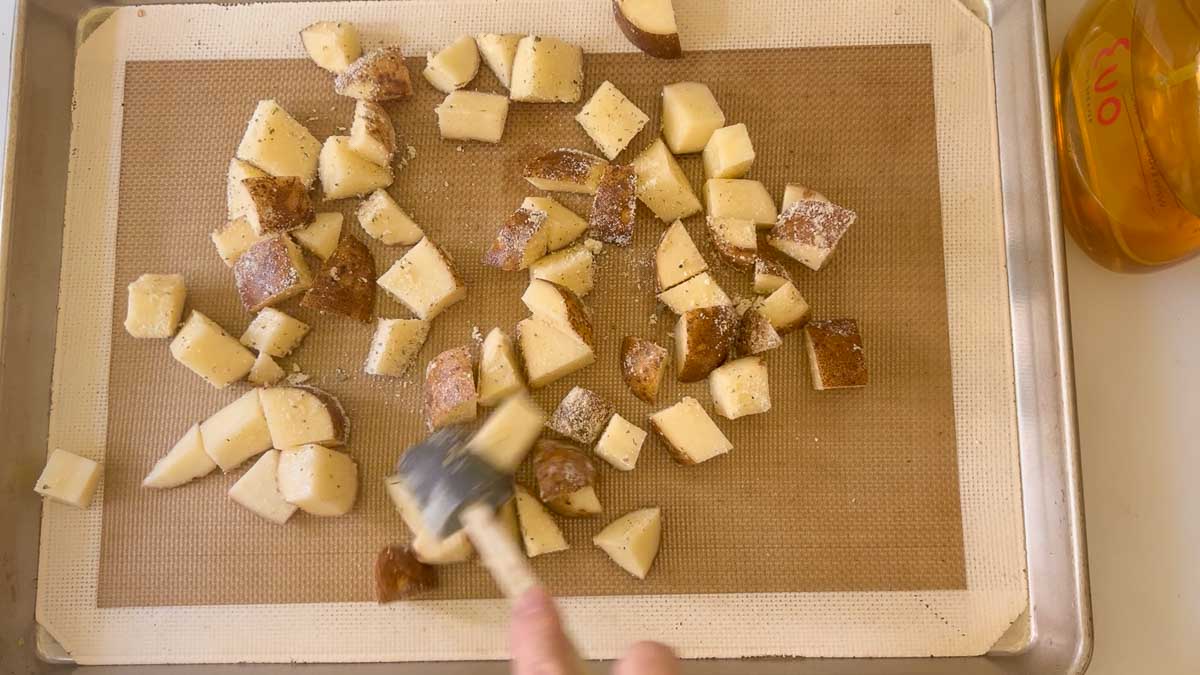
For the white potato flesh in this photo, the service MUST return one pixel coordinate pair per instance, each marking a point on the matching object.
(549, 352)
(499, 51)
(279, 145)
(207, 350)
(472, 116)
(785, 308)
(563, 226)
(395, 345)
(621, 443)
(740, 198)
(383, 219)
(652, 16)
(258, 490)
(578, 504)
(509, 432)
(662, 186)
(691, 433)
(345, 173)
(320, 481)
(155, 305)
(68, 479)
(690, 115)
(547, 70)
(233, 239)
(499, 374)
(428, 548)
(571, 268)
(297, 417)
(274, 332)
(237, 199)
(185, 462)
(539, 532)
(236, 432)
(677, 259)
(332, 45)
(454, 66)
(632, 540)
(729, 153)
(794, 192)
(322, 236)
(695, 293)
(611, 120)
(372, 134)
(740, 388)
(265, 371)
(423, 281)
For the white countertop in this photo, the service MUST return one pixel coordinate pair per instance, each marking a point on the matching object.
(1137, 370)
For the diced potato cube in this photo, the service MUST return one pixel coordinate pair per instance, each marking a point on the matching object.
(301, 415)
(454, 66)
(233, 239)
(699, 291)
(345, 173)
(550, 352)
(322, 236)
(395, 345)
(538, 530)
(563, 226)
(690, 115)
(332, 45)
(662, 186)
(499, 51)
(236, 432)
(794, 192)
(729, 153)
(739, 388)
(372, 134)
(472, 116)
(547, 70)
(384, 220)
(521, 240)
(581, 503)
(265, 371)
(378, 75)
(450, 396)
(68, 479)
(236, 197)
(155, 305)
(735, 239)
(320, 481)
(769, 275)
(786, 309)
(185, 462)
(677, 259)
(499, 375)
(566, 170)
(508, 433)
(271, 271)
(276, 204)
(835, 354)
(274, 332)
(810, 230)
(258, 490)
(632, 540)
(611, 120)
(276, 143)
(424, 281)
(207, 350)
(570, 267)
(581, 415)
(690, 433)
(739, 198)
(621, 443)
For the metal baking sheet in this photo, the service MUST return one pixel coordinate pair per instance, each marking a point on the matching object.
(1056, 636)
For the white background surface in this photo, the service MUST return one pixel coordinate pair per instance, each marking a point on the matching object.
(1137, 356)
(1137, 370)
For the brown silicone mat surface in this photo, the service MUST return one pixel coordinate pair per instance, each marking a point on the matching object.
(835, 491)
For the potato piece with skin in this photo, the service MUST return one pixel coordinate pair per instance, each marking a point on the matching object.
(346, 283)
(632, 540)
(424, 280)
(740, 198)
(345, 173)
(690, 115)
(379, 75)
(740, 388)
(565, 170)
(299, 416)
(650, 26)
(372, 134)
(395, 345)
(560, 306)
(581, 503)
(279, 145)
(614, 208)
(662, 186)
(236, 432)
(735, 239)
(539, 532)
(560, 469)
(506, 436)
(271, 271)
(703, 339)
(449, 392)
(786, 309)
(522, 239)
(621, 443)
(499, 51)
(563, 225)
(769, 275)
(399, 575)
(207, 350)
(643, 364)
(322, 482)
(691, 435)
(277, 204)
(581, 415)
(472, 116)
(611, 120)
(233, 239)
(546, 70)
(794, 192)
(550, 352)
(185, 462)
(322, 236)
(454, 66)
(677, 259)
(499, 374)
(571, 268)
(274, 332)
(265, 371)
(810, 230)
(258, 490)
(383, 219)
(155, 305)
(835, 354)
(236, 198)
(729, 153)
(332, 45)
(68, 479)
(699, 291)
(755, 334)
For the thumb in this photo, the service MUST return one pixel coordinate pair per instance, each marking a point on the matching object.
(648, 658)
(538, 644)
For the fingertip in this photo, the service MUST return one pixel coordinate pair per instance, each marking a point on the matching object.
(648, 658)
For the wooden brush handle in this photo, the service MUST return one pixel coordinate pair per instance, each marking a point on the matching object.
(500, 554)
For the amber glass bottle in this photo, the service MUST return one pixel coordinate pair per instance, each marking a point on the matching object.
(1127, 100)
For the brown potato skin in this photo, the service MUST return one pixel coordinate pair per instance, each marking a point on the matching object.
(579, 317)
(581, 416)
(379, 75)
(643, 364)
(265, 273)
(710, 336)
(615, 205)
(282, 204)
(755, 334)
(566, 165)
(337, 414)
(508, 250)
(346, 283)
(560, 468)
(658, 46)
(734, 255)
(838, 346)
(379, 125)
(399, 575)
(449, 380)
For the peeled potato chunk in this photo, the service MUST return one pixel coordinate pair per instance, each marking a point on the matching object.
(233, 239)
(185, 462)
(345, 173)
(499, 374)
(395, 345)
(274, 332)
(372, 134)
(265, 371)
(677, 259)
(382, 218)
(428, 547)
(571, 268)
(690, 115)
(68, 479)
(322, 236)
(320, 481)
(236, 432)
(332, 45)
(786, 309)
(155, 305)
(621, 443)
(207, 350)
(551, 351)
(454, 66)
(546, 70)
(581, 503)
(499, 52)
(509, 432)
(472, 116)
(279, 145)
(299, 416)
(424, 280)
(690, 433)
(539, 532)
(739, 388)
(258, 490)
(611, 120)
(632, 540)
(662, 185)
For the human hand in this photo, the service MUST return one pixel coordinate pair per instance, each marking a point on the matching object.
(540, 647)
